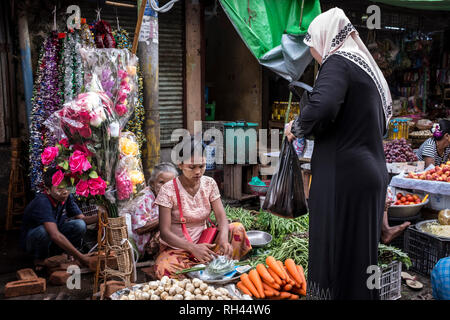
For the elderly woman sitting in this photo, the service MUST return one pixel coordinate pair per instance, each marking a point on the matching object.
(144, 215)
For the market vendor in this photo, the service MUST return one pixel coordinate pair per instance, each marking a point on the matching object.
(144, 216)
(46, 227)
(436, 150)
(198, 195)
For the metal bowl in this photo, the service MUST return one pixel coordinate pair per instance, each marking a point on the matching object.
(422, 227)
(259, 239)
(404, 211)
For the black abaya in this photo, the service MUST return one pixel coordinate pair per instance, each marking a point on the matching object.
(349, 180)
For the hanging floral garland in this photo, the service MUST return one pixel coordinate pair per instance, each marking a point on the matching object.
(103, 35)
(46, 100)
(136, 122)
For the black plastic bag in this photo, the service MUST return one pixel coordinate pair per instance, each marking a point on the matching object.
(286, 196)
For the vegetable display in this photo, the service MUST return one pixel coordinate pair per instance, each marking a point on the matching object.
(172, 289)
(440, 173)
(407, 199)
(399, 151)
(387, 254)
(277, 281)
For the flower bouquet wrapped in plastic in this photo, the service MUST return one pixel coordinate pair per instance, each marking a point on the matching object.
(94, 119)
(91, 127)
(112, 71)
(129, 174)
(75, 169)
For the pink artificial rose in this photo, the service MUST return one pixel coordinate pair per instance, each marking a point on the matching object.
(83, 148)
(97, 186)
(82, 188)
(123, 185)
(64, 142)
(57, 177)
(121, 109)
(122, 74)
(49, 154)
(85, 131)
(78, 162)
(125, 86)
(122, 96)
(84, 116)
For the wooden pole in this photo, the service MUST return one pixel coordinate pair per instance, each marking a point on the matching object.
(119, 4)
(301, 14)
(148, 53)
(138, 26)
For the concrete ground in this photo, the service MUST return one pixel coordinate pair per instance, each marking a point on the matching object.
(12, 259)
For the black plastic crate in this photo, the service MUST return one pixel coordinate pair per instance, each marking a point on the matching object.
(424, 250)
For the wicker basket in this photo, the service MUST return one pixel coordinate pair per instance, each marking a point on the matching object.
(116, 231)
(124, 260)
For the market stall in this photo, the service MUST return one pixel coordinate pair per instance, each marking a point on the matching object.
(87, 122)
(275, 269)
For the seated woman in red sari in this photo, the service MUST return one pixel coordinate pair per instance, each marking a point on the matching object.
(198, 195)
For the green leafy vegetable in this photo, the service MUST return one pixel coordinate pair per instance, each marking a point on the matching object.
(387, 254)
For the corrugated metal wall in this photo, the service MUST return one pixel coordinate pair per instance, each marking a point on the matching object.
(171, 57)
(171, 71)
(127, 16)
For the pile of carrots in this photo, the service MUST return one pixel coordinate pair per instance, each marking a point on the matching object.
(276, 281)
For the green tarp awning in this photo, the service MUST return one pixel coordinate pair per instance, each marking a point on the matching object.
(271, 30)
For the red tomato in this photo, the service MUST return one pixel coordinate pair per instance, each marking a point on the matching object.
(416, 197)
(397, 203)
(418, 201)
(399, 196)
(403, 199)
(409, 198)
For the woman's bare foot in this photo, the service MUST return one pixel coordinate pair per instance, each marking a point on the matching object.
(390, 233)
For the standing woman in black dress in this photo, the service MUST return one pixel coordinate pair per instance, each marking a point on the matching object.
(347, 113)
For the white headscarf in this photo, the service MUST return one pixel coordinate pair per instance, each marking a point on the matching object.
(332, 33)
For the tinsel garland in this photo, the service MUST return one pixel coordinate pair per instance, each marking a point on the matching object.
(87, 36)
(72, 72)
(78, 66)
(46, 101)
(121, 37)
(136, 122)
(103, 35)
(62, 67)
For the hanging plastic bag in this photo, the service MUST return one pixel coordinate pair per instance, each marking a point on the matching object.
(285, 196)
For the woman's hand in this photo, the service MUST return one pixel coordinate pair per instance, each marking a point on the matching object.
(287, 132)
(225, 249)
(203, 252)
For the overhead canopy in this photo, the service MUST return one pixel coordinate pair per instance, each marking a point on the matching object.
(419, 4)
(271, 30)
